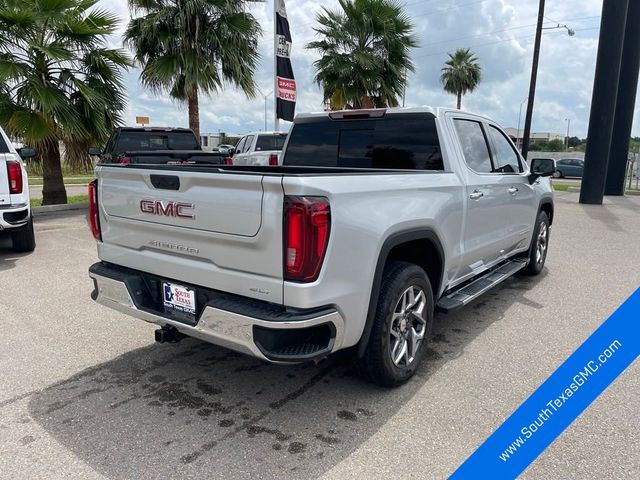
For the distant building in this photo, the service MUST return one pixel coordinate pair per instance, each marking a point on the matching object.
(535, 138)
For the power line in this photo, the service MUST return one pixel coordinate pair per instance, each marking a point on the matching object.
(498, 42)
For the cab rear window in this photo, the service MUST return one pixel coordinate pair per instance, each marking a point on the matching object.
(396, 142)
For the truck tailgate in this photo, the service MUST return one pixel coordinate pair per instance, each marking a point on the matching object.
(202, 226)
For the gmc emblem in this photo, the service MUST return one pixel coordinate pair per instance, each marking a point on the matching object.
(167, 209)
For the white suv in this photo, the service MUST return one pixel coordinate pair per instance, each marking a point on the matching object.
(15, 212)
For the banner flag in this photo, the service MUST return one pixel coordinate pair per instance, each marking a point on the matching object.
(285, 84)
(560, 399)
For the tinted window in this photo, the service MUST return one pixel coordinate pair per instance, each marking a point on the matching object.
(474, 145)
(131, 141)
(3, 145)
(505, 158)
(270, 142)
(399, 141)
(563, 162)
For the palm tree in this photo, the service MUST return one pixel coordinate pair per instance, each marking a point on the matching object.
(58, 81)
(364, 53)
(461, 74)
(190, 46)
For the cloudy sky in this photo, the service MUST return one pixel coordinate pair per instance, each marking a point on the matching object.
(500, 32)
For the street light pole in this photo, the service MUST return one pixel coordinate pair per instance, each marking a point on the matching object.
(568, 120)
(265, 108)
(532, 84)
(518, 137)
(534, 74)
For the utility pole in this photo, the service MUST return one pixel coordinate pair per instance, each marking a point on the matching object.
(568, 120)
(534, 78)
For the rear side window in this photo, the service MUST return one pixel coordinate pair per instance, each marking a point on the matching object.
(131, 141)
(398, 141)
(505, 158)
(4, 148)
(270, 142)
(474, 145)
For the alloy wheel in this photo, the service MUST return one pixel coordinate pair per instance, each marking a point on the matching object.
(408, 326)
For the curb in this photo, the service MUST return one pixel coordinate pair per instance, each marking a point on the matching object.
(48, 209)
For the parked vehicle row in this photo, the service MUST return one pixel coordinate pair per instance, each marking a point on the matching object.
(15, 210)
(372, 220)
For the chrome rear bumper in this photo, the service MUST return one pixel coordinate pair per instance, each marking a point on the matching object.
(227, 328)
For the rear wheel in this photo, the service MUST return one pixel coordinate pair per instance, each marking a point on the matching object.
(401, 326)
(24, 240)
(539, 245)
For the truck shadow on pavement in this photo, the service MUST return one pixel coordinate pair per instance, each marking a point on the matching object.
(193, 410)
(7, 256)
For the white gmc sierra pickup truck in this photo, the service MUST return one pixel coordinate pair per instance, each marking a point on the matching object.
(15, 212)
(375, 219)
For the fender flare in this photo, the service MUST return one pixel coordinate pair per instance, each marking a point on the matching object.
(392, 241)
(547, 201)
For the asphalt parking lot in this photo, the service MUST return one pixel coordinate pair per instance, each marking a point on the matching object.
(85, 392)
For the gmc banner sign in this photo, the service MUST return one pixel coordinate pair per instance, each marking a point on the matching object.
(286, 84)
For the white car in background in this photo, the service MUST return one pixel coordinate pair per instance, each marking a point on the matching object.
(15, 211)
(259, 148)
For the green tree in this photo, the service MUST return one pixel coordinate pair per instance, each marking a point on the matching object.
(364, 53)
(190, 46)
(574, 142)
(58, 80)
(555, 146)
(461, 74)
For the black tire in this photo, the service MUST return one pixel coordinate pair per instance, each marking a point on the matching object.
(24, 240)
(536, 262)
(377, 363)
(557, 174)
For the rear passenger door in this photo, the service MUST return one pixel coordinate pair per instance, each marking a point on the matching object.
(488, 218)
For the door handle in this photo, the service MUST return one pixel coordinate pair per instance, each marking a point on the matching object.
(476, 195)
(513, 190)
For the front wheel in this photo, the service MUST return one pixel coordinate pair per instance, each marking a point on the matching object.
(557, 174)
(401, 326)
(539, 245)
(24, 240)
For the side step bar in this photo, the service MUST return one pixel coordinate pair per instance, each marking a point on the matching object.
(469, 292)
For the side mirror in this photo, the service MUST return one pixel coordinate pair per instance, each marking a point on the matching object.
(95, 151)
(542, 167)
(26, 153)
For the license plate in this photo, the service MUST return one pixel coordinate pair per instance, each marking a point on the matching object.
(178, 299)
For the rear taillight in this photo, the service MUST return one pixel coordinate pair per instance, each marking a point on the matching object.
(228, 161)
(273, 160)
(307, 223)
(94, 220)
(14, 170)
(124, 160)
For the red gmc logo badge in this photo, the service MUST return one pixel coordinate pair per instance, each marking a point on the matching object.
(167, 209)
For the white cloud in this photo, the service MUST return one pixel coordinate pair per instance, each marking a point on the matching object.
(500, 32)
